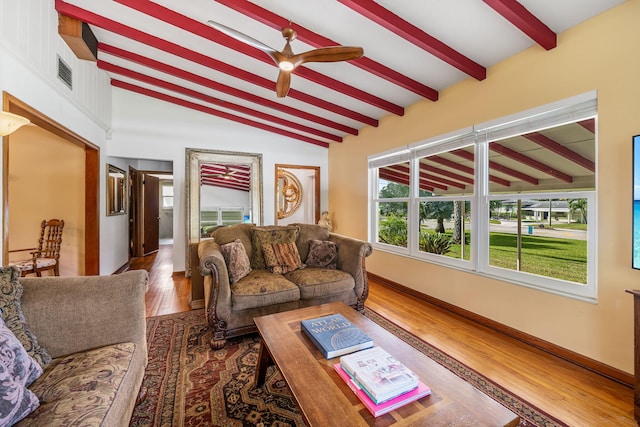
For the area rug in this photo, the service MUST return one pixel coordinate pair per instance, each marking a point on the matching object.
(189, 384)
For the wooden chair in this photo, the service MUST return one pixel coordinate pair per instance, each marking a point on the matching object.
(47, 255)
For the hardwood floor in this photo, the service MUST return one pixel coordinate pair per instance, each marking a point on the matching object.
(168, 293)
(574, 395)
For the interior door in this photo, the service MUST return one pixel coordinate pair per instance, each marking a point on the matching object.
(151, 215)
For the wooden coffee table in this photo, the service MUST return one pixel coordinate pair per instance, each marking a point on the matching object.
(325, 400)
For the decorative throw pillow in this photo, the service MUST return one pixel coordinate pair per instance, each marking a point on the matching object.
(282, 257)
(17, 371)
(237, 261)
(322, 254)
(267, 235)
(11, 309)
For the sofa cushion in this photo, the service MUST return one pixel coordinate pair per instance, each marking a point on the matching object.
(11, 309)
(261, 288)
(322, 254)
(229, 233)
(309, 232)
(238, 264)
(64, 386)
(281, 257)
(17, 371)
(267, 235)
(319, 282)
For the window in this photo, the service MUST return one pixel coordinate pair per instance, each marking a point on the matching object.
(392, 204)
(512, 199)
(166, 188)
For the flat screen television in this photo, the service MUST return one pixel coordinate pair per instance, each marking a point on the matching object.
(635, 262)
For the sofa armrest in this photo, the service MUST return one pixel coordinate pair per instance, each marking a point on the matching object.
(72, 314)
(351, 255)
(217, 289)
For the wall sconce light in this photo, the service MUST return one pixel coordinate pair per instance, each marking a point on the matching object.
(10, 122)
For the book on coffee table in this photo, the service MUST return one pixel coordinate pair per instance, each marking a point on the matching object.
(380, 409)
(379, 374)
(335, 335)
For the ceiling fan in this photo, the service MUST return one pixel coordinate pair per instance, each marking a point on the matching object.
(286, 60)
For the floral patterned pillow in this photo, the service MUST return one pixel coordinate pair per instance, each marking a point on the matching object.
(267, 235)
(282, 258)
(322, 254)
(11, 310)
(237, 261)
(17, 371)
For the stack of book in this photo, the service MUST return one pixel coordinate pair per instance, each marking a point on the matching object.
(334, 335)
(380, 381)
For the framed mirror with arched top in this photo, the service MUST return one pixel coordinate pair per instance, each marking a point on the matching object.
(297, 194)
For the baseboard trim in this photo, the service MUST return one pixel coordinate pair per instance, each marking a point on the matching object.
(124, 268)
(196, 304)
(553, 349)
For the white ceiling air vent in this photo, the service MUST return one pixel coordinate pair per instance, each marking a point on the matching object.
(65, 73)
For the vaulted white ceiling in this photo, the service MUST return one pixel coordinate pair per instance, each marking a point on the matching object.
(413, 49)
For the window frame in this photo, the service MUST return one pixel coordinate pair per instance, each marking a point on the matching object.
(573, 109)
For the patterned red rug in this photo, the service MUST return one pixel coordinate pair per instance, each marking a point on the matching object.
(189, 384)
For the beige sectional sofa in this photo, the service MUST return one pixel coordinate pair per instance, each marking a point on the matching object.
(231, 305)
(94, 329)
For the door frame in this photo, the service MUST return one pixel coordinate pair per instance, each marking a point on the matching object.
(136, 209)
(91, 180)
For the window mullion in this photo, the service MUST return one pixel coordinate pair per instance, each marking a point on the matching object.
(480, 215)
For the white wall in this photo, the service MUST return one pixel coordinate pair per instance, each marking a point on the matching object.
(216, 197)
(29, 46)
(127, 125)
(150, 129)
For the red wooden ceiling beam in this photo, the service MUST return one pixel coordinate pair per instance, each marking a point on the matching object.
(519, 16)
(402, 179)
(404, 171)
(203, 81)
(199, 58)
(314, 39)
(415, 35)
(237, 170)
(444, 172)
(499, 168)
(434, 179)
(215, 183)
(203, 30)
(214, 112)
(561, 150)
(528, 161)
(230, 180)
(589, 124)
(213, 100)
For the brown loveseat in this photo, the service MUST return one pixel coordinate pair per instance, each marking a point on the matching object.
(94, 328)
(231, 307)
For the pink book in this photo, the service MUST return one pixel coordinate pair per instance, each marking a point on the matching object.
(376, 410)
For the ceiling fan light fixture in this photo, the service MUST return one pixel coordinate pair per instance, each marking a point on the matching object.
(286, 66)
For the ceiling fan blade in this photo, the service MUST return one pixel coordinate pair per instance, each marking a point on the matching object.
(328, 54)
(242, 37)
(284, 81)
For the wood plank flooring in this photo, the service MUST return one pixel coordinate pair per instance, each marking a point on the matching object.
(572, 394)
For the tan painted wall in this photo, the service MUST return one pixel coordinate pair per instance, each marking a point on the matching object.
(601, 54)
(46, 180)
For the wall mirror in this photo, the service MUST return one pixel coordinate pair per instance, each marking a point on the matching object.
(116, 191)
(297, 197)
(223, 188)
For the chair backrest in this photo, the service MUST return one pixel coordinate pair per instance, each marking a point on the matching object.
(50, 238)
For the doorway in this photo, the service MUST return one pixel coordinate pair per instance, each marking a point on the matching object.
(151, 213)
(88, 234)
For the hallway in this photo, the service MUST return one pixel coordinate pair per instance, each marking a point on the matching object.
(168, 292)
